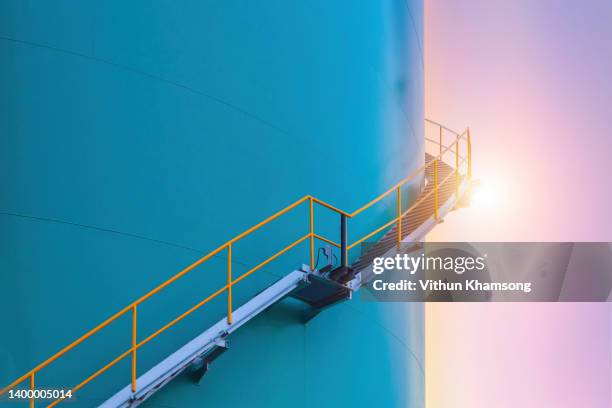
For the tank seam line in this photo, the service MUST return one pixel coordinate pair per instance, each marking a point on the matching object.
(151, 76)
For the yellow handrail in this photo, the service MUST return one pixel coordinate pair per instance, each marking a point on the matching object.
(371, 234)
(441, 126)
(399, 215)
(311, 235)
(435, 177)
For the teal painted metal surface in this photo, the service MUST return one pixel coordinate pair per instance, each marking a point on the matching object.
(136, 136)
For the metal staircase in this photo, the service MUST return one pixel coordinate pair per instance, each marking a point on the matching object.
(445, 188)
(424, 210)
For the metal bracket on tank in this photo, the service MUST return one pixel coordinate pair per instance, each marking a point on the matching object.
(200, 364)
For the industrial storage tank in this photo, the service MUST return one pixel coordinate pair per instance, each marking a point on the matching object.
(138, 136)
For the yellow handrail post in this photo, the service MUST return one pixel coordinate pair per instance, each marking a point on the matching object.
(343, 242)
(435, 164)
(399, 214)
(457, 168)
(229, 284)
(32, 389)
(312, 265)
(134, 344)
(469, 147)
(440, 142)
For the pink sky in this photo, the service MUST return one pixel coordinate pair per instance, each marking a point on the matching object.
(533, 81)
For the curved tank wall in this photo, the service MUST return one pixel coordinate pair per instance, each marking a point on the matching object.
(137, 136)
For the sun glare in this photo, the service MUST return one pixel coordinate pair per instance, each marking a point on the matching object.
(486, 196)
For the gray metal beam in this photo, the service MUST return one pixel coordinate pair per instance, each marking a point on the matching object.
(158, 376)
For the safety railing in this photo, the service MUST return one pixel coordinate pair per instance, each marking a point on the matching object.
(344, 247)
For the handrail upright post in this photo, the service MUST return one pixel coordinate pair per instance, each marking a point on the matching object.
(399, 215)
(229, 284)
(343, 242)
(457, 168)
(32, 389)
(469, 147)
(435, 164)
(134, 344)
(312, 265)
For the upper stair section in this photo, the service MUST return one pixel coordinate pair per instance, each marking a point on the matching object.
(425, 207)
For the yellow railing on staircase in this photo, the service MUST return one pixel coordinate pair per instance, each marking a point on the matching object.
(227, 246)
